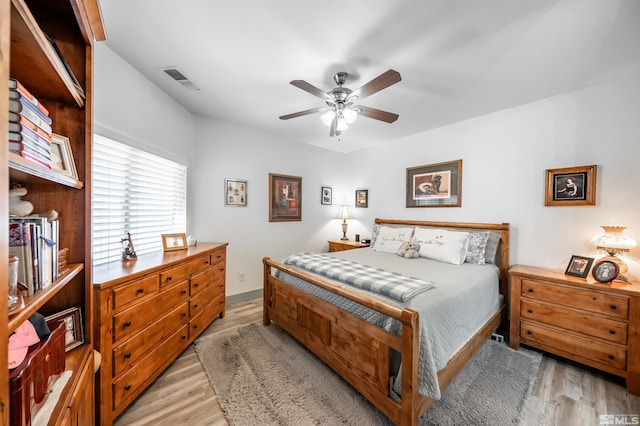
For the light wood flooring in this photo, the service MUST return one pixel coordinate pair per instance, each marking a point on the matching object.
(565, 393)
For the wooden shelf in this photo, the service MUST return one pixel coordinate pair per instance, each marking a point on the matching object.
(36, 301)
(37, 57)
(22, 169)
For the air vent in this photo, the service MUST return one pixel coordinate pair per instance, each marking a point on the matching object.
(178, 76)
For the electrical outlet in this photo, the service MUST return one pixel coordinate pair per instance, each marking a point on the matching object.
(241, 276)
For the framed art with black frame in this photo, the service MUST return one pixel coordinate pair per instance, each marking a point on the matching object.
(326, 195)
(362, 198)
(72, 320)
(435, 185)
(571, 186)
(285, 198)
(235, 193)
(579, 266)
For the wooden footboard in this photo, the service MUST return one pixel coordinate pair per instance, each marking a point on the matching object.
(355, 349)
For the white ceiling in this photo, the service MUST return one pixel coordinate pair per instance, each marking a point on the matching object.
(458, 58)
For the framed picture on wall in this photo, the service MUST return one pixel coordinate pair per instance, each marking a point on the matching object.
(571, 186)
(235, 193)
(362, 198)
(326, 197)
(285, 198)
(435, 185)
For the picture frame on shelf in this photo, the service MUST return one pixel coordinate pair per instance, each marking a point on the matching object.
(579, 266)
(72, 320)
(362, 198)
(171, 242)
(435, 185)
(326, 195)
(285, 198)
(62, 160)
(235, 193)
(571, 186)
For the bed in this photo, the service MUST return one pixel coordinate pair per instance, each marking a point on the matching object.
(389, 349)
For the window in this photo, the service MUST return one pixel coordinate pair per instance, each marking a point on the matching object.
(137, 192)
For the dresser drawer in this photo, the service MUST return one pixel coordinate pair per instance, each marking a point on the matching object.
(607, 304)
(202, 299)
(581, 322)
(602, 353)
(183, 271)
(127, 322)
(199, 323)
(201, 281)
(128, 386)
(129, 352)
(135, 290)
(218, 256)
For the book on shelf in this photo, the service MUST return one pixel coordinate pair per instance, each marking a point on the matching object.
(21, 123)
(31, 114)
(17, 90)
(20, 147)
(20, 246)
(75, 81)
(15, 117)
(35, 158)
(28, 135)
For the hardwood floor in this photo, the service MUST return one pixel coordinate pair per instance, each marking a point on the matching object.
(565, 394)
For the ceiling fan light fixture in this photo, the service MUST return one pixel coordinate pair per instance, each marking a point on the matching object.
(342, 124)
(350, 115)
(327, 117)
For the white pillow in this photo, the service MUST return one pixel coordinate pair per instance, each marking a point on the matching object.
(390, 239)
(440, 244)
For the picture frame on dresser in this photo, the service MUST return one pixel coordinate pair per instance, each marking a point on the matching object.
(171, 242)
(72, 320)
(571, 186)
(579, 266)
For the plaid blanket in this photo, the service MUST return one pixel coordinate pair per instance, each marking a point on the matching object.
(391, 284)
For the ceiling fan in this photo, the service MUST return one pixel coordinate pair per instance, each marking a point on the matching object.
(341, 110)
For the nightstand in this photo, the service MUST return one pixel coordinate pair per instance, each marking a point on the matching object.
(341, 245)
(578, 318)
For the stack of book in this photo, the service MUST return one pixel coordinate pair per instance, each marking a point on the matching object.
(34, 240)
(29, 125)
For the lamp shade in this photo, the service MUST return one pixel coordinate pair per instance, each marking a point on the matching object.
(344, 213)
(612, 241)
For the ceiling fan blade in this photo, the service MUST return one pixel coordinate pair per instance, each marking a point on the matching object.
(302, 113)
(310, 88)
(377, 114)
(382, 81)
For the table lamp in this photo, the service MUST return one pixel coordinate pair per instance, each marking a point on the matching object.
(344, 214)
(614, 243)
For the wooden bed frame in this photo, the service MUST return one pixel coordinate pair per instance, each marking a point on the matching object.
(359, 351)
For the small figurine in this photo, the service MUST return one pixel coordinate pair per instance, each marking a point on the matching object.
(128, 252)
(18, 206)
(409, 250)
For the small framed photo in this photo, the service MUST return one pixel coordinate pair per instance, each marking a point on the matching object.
(435, 185)
(571, 186)
(362, 198)
(579, 266)
(72, 320)
(326, 195)
(171, 242)
(235, 193)
(285, 198)
(62, 157)
(605, 271)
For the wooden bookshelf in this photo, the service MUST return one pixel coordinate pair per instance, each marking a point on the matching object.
(60, 75)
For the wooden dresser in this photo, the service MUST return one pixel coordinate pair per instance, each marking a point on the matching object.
(579, 319)
(341, 245)
(148, 312)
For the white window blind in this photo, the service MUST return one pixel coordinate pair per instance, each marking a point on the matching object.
(137, 192)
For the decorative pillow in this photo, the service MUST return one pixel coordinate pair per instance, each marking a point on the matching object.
(374, 234)
(443, 245)
(476, 248)
(491, 249)
(389, 240)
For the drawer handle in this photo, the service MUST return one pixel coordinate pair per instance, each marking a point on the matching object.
(529, 332)
(530, 290)
(169, 279)
(140, 290)
(530, 311)
(127, 387)
(206, 262)
(184, 314)
(127, 356)
(184, 337)
(611, 357)
(195, 306)
(221, 269)
(195, 326)
(612, 332)
(184, 292)
(196, 285)
(127, 324)
(614, 307)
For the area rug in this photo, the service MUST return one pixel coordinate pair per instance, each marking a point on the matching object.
(262, 376)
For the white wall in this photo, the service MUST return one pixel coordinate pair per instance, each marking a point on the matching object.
(228, 151)
(505, 155)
